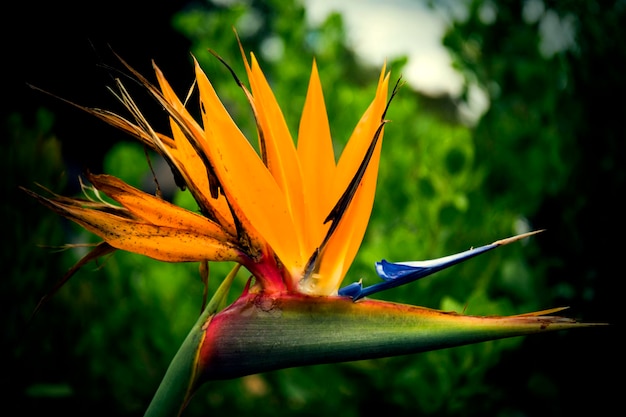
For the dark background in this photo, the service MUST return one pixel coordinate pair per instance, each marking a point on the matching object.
(63, 48)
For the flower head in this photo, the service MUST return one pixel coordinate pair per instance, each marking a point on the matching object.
(291, 214)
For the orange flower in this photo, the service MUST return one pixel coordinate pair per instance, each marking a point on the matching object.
(292, 215)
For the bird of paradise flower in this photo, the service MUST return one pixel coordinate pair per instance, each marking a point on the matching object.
(293, 217)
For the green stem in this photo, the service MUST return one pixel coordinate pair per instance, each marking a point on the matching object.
(176, 387)
(179, 382)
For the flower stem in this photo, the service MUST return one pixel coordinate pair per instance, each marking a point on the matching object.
(180, 380)
(175, 389)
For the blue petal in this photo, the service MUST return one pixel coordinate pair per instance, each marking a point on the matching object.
(396, 274)
(353, 290)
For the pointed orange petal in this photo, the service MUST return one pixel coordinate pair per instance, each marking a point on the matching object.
(154, 210)
(280, 152)
(344, 243)
(191, 166)
(163, 243)
(317, 161)
(249, 187)
(361, 137)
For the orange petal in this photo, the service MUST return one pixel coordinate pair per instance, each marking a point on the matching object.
(344, 243)
(196, 172)
(185, 156)
(361, 138)
(254, 195)
(280, 152)
(163, 243)
(154, 210)
(317, 161)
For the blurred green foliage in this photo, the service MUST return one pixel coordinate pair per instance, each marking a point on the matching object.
(106, 338)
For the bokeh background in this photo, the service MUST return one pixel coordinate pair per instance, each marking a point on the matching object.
(544, 150)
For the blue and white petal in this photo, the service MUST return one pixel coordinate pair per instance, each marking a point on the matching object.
(395, 274)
